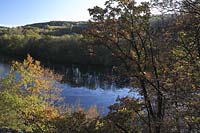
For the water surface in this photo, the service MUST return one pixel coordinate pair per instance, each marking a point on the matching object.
(86, 86)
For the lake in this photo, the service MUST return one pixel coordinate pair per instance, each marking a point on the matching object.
(86, 86)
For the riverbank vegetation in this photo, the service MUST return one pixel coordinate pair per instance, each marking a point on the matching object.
(161, 60)
(54, 42)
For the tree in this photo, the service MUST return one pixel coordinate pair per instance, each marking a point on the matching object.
(125, 29)
(156, 63)
(28, 96)
(187, 64)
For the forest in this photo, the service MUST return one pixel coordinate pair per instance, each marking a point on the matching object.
(54, 42)
(159, 54)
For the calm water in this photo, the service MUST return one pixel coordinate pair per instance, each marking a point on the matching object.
(86, 86)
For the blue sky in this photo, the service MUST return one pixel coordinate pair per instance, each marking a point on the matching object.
(21, 12)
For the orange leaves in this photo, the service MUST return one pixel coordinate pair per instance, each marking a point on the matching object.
(33, 88)
(29, 59)
(148, 75)
(35, 78)
(50, 112)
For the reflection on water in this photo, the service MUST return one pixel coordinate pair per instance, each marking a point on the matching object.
(4, 69)
(87, 97)
(86, 86)
(91, 77)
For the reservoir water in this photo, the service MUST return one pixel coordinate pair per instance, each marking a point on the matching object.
(86, 86)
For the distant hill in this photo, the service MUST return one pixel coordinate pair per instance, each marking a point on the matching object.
(54, 28)
(3, 27)
(58, 28)
(58, 23)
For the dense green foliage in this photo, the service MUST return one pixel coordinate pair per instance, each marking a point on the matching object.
(54, 42)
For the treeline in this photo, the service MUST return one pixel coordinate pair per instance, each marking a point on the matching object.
(54, 42)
